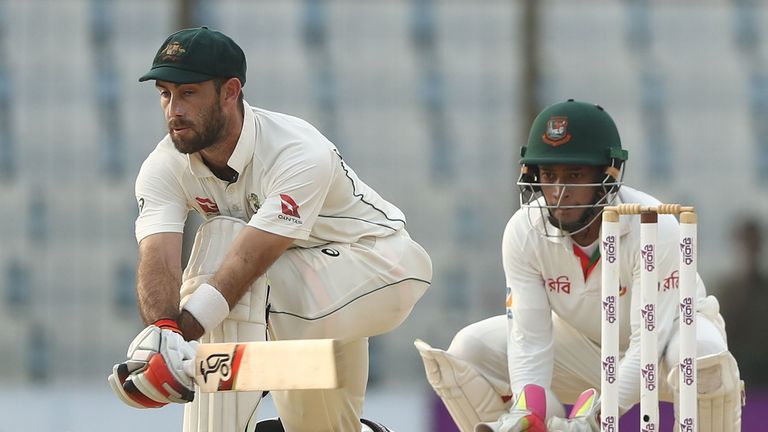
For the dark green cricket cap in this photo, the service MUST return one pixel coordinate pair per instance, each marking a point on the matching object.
(195, 55)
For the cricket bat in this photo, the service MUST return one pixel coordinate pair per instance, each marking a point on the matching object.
(271, 365)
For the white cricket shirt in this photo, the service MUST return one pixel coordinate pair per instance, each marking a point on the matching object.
(545, 275)
(291, 182)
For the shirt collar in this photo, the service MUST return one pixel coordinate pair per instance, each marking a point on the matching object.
(240, 157)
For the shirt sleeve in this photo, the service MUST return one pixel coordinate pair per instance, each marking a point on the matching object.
(298, 184)
(160, 197)
(530, 340)
(666, 312)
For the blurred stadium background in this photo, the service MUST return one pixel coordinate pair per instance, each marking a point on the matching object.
(429, 101)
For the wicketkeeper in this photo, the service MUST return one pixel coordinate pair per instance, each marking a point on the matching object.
(513, 373)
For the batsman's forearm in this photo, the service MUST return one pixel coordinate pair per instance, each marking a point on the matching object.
(157, 289)
(251, 254)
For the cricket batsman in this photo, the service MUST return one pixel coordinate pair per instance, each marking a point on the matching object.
(294, 246)
(513, 372)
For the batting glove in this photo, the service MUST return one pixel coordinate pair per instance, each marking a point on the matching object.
(159, 368)
(584, 417)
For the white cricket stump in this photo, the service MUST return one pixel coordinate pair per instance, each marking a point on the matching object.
(649, 344)
(688, 408)
(609, 338)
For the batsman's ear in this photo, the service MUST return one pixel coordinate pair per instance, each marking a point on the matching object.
(232, 88)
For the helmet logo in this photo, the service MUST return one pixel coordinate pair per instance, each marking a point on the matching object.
(557, 131)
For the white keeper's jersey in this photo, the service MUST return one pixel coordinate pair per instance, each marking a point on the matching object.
(291, 181)
(545, 275)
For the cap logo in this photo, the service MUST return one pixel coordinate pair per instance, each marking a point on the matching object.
(557, 131)
(173, 51)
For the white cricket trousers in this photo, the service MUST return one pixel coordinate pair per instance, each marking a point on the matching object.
(577, 358)
(347, 292)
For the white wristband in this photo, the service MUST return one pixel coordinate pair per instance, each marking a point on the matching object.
(208, 306)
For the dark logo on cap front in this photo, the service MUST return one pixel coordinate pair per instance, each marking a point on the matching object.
(172, 52)
(557, 131)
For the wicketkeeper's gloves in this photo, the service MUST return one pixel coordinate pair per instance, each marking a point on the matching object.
(584, 417)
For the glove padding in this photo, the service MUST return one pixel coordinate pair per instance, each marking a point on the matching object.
(159, 368)
(584, 417)
(527, 414)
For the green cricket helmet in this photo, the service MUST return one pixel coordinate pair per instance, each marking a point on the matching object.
(572, 133)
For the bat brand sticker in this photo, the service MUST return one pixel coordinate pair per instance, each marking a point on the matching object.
(223, 365)
(216, 363)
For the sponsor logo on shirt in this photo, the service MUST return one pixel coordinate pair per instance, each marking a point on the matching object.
(561, 284)
(671, 281)
(208, 206)
(141, 205)
(290, 210)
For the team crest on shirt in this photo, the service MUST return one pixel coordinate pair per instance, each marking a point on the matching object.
(208, 206)
(290, 210)
(557, 131)
(253, 201)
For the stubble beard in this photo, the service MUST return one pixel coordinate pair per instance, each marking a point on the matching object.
(586, 218)
(211, 122)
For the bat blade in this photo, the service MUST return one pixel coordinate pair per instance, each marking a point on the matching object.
(272, 365)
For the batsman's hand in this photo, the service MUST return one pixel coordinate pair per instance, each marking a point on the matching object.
(159, 368)
(584, 417)
(527, 414)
